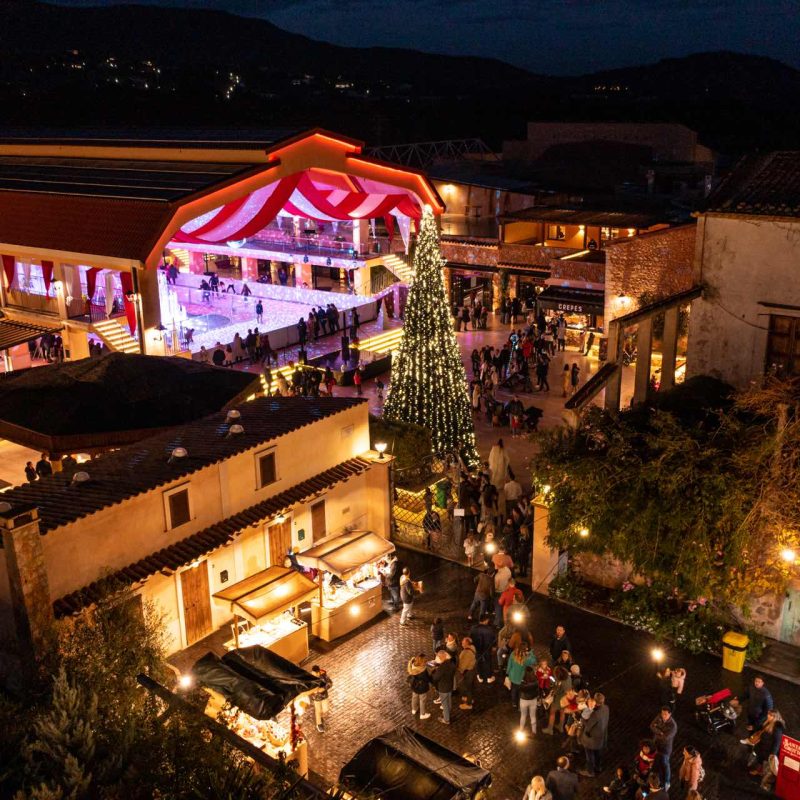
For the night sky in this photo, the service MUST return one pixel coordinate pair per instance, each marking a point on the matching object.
(547, 36)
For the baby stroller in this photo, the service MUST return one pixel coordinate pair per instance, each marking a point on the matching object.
(715, 712)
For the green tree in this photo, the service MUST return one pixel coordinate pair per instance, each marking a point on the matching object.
(429, 383)
(701, 497)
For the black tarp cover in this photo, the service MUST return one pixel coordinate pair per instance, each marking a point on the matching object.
(275, 673)
(237, 688)
(404, 765)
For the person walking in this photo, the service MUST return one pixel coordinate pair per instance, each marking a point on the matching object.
(595, 734)
(528, 698)
(407, 594)
(563, 683)
(259, 312)
(484, 639)
(664, 728)
(537, 790)
(565, 381)
(519, 661)
(562, 783)
(320, 696)
(498, 465)
(419, 680)
(442, 676)
(467, 661)
(358, 380)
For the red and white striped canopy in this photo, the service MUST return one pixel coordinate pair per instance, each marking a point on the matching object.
(311, 194)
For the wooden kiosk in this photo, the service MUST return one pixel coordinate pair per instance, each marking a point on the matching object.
(349, 591)
(264, 607)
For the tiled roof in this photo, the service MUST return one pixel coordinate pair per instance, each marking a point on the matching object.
(763, 186)
(199, 544)
(100, 226)
(13, 332)
(615, 218)
(145, 466)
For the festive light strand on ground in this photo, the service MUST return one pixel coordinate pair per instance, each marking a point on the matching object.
(429, 384)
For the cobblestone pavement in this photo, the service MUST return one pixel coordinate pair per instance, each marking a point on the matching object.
(370, 694)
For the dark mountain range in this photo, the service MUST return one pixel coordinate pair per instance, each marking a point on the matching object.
(150, 66)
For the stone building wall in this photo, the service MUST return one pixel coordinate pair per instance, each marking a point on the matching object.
(660, 263)
(479, 254)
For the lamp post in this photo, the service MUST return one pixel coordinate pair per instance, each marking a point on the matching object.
(381, 448)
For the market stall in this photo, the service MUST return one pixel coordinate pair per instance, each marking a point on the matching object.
(404, 765)
(349, 592)
(264, 607)
(582, 308)
(248, 689)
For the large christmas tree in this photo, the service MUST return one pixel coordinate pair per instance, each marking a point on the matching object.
(429, 384)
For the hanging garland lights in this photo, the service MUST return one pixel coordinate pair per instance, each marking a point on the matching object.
(429, 383)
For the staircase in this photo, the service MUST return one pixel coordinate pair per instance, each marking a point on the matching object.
(398, 267)
(115, 336)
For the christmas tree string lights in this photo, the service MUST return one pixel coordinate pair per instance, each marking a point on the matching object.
(429, 383)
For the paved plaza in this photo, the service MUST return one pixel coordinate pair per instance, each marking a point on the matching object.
(371, 696)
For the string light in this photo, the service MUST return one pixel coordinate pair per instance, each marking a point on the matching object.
(429, 383)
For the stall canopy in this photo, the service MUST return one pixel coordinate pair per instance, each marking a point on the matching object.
(404, 765)
(267, 593)
(344, 554)
(281, 676)
(571, 300)
(237, 686)
(259, 682)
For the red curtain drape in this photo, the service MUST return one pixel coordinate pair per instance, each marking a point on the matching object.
(9, 267)
(388, 220)
(91, 281)
(130, 308)
(47, 274)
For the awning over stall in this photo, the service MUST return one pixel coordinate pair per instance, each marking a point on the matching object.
(344, 554)
(571, 300)
(404, 765)
(279, 675)
(267, 593)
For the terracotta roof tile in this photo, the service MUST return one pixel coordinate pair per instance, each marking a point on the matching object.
(203, 542)
(146, 465)
(761, 185)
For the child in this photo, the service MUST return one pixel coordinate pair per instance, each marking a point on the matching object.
(644, 762)
(320, 697)
(678, 678)
(544, 675)
(470, 546)
(437, 634)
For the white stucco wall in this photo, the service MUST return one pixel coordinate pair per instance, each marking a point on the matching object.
(745, 264)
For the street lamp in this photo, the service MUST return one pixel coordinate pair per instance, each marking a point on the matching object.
(186, 681)
(658, 654)
(583, 533)
(520, 737)
(789, 555)
(517, 616)
(381, 448)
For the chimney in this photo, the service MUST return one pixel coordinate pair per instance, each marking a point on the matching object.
(27, 579)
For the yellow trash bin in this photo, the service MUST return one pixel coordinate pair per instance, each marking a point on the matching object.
(734, 646)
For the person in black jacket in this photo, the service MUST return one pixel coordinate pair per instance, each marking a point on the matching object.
(443, 677)
(562, 783)
(420, 682)
(559, 643)
(484, 638)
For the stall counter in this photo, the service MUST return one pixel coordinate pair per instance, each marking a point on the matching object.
(334, 619)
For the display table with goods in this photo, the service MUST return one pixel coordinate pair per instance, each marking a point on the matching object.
(249, 688)
(265, 611)
(405, 765)
(350, 587)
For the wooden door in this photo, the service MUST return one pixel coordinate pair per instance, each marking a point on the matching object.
(254, 553)
(318, 528)
(196, 602)
(280, 540)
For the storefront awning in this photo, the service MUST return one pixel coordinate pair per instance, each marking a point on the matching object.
(344, 554)
(14, 332)
(267, 593)
(571, 300)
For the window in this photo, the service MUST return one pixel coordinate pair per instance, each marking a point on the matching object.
(783, 346)
(177, 506)
(556, 232)
(267, 473)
